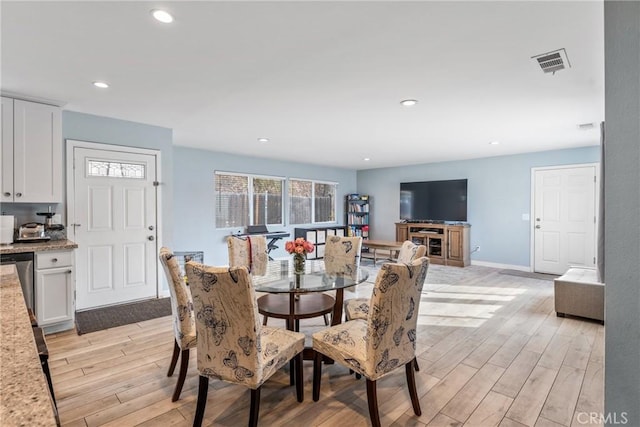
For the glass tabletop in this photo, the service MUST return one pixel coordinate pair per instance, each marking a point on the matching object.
(280, 278)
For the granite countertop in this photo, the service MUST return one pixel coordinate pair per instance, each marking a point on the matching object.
(25, 399)
(51, 245)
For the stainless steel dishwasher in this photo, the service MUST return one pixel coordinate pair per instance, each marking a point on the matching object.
(24, 265)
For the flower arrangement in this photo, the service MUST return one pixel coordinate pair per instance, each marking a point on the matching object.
(299, 246)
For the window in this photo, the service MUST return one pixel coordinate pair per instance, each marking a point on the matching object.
(311, 202)
(243, 200)
(324, 197)
(115, 169)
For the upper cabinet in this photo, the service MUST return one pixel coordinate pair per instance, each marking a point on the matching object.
(31, 152)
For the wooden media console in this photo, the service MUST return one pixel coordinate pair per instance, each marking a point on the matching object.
(446, 244)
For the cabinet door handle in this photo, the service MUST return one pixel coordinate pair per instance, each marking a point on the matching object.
(18, 194)
(151, 238)
(69, 271)
(54, 259)
(7, 194)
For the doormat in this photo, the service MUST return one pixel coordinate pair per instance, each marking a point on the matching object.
(123, 314)
(540, 276)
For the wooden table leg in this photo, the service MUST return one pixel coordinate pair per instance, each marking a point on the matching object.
(336, 317)
(294, 324)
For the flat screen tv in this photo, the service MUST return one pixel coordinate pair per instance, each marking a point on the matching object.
(434, 200)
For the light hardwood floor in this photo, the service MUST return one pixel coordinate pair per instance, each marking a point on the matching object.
(491, 350)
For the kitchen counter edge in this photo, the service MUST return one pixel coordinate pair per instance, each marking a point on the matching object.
(51, 245)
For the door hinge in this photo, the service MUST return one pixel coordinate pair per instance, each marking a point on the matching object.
(156, 183)
(594, 260)
(74, 296)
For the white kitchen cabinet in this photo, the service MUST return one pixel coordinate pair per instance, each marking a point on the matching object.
(54, 287)
(31, 152)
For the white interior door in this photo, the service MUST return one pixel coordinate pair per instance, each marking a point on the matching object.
(116, 226)
(564, 218)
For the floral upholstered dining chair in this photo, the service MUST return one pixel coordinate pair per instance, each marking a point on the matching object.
(232, 344)
(342, 254)
(250, 252)
(386, 340)
(358, 308)
(184, 323)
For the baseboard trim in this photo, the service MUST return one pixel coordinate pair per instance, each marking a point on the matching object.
(502, 266)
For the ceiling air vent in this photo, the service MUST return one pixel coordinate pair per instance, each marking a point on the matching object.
(551, 62)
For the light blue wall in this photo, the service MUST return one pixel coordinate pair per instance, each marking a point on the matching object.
(194, 198)
(499, 192)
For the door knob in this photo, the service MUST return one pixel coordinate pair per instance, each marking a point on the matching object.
(538, 226)
(151, 238)
(18, 194)
(7, 194)
(151, 227)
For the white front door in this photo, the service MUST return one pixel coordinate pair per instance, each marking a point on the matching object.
(564, 218)
(114, 213)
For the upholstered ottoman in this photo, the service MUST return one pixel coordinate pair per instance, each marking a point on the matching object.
(579, 293)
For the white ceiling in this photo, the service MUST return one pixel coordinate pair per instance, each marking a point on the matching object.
(321, 80)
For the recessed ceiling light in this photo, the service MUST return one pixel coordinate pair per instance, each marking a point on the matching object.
(101, 85)
(162, 16)
(263, 140)
(408, 102)
(366, 159)
(494, 143)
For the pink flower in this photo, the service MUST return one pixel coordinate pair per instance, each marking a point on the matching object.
(289, 247)
(299, 246)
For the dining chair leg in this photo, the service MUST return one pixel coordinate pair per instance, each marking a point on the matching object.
(372, 399)
(415, 364)
(299, 378)
(203, 389)
(292, 379)
(174, 357)
(255, 407)
(411, 383)
(184, 366)
(264, 320)
(317, 374)
(326, 320)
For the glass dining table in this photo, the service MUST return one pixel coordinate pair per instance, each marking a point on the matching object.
(293, 296)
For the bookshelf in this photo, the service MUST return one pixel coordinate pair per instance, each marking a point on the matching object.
(357, 211)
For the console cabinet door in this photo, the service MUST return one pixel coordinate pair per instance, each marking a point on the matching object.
(402, 232)
(54, 295)
(37, 153)
(455, 244)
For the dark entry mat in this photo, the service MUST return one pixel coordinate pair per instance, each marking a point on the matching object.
(541, 276)
(124, 314)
